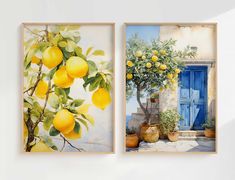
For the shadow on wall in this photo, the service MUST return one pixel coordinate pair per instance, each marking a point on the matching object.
(197, 10)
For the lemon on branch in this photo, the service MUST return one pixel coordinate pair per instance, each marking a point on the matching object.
(163, 67)
(101, 98)
(41, 89)
(154, 58)
(76, 67)
(64, 121)
(129, 76)
(62, 79)
(169, 76)
(163, 52)
(138, 53)
(35, 60)
(148, 65)
(130, 63)
(52, 57)
(41, 147)
(143, 57)
(177, 70)
(155, 52)
(74, 135)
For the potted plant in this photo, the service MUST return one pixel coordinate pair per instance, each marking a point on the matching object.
(154, 98)
(132, 140)
(209, 126)
(149, 67)
(169, 124)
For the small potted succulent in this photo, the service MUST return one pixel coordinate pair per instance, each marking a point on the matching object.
(154, 98)
(132, 140)
(169, 120)
(209, 126)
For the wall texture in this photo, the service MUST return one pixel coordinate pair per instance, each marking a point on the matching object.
(15, 165)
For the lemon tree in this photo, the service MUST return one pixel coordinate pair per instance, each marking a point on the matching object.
(53, 61)
(152, 67)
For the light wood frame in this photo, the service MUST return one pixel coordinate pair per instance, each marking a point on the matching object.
(112, 24)
(215, 24)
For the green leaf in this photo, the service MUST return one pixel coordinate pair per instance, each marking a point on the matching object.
(98, 53)
(37, 107)
(78, 52)
(88, 81)
(47, 122)
(89, 118)
(53, 131)
(95, 83)
(72, 110)
(62, 94)
(27, 105)
(52, 72)
(62, 44)
(83, 122)
(88, 51)
(67, 90)
(77, 102)
(70, 46)
(28, 57)
(76, 127)
(54, 148)
(92, 67)
(53, 101)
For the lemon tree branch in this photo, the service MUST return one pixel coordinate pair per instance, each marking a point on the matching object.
(65, 140)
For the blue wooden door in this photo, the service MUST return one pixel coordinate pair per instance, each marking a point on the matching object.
(193, 97)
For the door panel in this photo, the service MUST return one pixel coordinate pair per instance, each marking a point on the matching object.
(193, 97)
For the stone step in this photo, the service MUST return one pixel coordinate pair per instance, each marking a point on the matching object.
(191, 133)
(202, 138)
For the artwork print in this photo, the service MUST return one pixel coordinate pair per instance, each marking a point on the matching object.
(68, 90)
(170, 87)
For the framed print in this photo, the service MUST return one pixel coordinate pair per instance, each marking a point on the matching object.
(68, 87)
(170, 87)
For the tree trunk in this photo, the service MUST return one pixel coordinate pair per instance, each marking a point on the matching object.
(145, 110)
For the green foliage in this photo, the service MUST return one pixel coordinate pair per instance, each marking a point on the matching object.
(154, 77)
(53, 131)
(169, 121)
(209, 124)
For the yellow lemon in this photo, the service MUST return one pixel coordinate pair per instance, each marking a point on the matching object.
(175, 75)
(64, 121)
(62, 79)
(161, 89)
(130, 63)
(157, 64)
(155, 52)
(41, 89)
(76, 67)
(52, 57)
(35, 60)
(148, 65)
(163, 52)
(169, 76)
(154, 58)
(173, 81)
(74, 135)
(41, 147)
(177, 70)
(163, 67)
(143, 57)
(129, 76)
(101, 98)
(138, 53)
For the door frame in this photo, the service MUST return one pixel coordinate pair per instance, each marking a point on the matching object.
(192, 66)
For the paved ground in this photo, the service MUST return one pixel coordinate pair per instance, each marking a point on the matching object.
(199, 145)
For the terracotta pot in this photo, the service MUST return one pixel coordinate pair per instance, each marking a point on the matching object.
(173, 136)
(132, 141)
(149, 133)
(210, 133)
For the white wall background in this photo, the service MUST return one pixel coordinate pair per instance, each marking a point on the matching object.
(17, 166)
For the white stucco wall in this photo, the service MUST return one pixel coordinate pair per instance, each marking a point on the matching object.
(204, 38)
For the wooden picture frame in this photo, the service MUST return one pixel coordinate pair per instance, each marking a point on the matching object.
(206, 63)
(111, 87)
